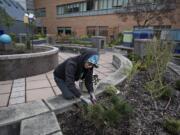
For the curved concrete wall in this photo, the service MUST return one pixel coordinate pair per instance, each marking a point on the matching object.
(23, 65)
(123, 66)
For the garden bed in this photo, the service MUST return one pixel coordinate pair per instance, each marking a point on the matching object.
(146, 119)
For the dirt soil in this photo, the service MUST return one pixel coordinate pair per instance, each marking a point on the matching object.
(147, 117)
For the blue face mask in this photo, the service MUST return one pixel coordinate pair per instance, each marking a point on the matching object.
(94, 60)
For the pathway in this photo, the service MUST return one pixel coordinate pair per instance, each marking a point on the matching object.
(43, 86)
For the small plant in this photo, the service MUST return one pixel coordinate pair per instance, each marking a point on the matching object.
(111, 90)
(107, 113)
(166, 93)
(133, 57)
(177, 84)
(172, 126)
(158, 55)
(121, 106)
(111, 116)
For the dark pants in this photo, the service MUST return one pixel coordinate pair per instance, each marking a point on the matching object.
(67, 94)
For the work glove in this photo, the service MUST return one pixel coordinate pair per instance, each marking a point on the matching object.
(93, 98)
(85, 100)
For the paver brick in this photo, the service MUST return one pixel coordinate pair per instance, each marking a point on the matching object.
(37, 84)
(5, 82)
(17, 94)
(57, 90)
(38, 94)
(4, 99)
(14, 89)
(36, 78)
(53, 83)
(18, 84)
(5, 88)
(17, 100)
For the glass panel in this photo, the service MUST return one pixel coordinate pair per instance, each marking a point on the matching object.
(115, 2)
(110, 2)
(68, 31)
(101, 4)
(103, 31)
(91, 31)
(105, 4)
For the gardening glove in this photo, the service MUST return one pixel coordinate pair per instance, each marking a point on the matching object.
(85, 100)
(93, 98)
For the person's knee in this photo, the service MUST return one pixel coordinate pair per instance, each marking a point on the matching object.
(68, 97)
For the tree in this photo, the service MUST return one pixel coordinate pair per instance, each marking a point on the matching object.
(6, 20)
(149, 12)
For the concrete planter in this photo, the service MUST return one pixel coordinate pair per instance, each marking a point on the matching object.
(176, 60)
(23, 65)
(39, 41)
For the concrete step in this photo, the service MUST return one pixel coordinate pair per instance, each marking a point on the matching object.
(41, 125)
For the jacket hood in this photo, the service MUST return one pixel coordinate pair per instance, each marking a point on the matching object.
(86, 54)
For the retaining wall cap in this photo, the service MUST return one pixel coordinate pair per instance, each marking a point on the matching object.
(58, 103)
(174, 67)
(58, 133)
(30, 55)
(16, 113)
(121, 73)
(42, 124)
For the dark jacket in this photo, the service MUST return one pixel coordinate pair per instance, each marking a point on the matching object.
(72, 70)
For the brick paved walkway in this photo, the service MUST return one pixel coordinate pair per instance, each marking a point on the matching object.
(43, 86)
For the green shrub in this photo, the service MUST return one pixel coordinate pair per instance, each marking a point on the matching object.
(13, 36)
(94, 113)
(111, 116)
(117, 41)
(172, 126)
(177, 84)
(121, 106)
(166, 93)
(39, 36)
(109, 113)
(133, 57)
(111, 90)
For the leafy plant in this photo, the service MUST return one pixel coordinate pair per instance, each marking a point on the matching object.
(107, 113)
(133, 71)
(111, 90)
(133, 57)
(177, 84)
(121, 106)
(172, 126)
(158, 55)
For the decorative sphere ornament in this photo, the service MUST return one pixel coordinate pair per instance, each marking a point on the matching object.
(5, 39)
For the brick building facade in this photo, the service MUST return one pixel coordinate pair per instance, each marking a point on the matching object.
(82, 17)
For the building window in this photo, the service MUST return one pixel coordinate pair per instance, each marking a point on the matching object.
(103, 31)
(97, 30)
(42, 30)
(41, 12)
(91, 31)
(64, 30)
(90, 5)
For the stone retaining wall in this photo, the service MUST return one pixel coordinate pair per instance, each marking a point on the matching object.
(23, 65)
